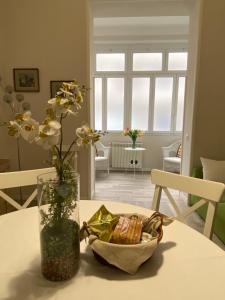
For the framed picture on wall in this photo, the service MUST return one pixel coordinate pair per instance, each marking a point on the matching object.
(26, 80)
(55, 86)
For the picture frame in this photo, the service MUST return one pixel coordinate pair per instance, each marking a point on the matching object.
(55, 85)
(26, 80)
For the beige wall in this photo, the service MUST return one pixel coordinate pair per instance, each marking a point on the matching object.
(1, 38)
(50, 35)
(209, 129)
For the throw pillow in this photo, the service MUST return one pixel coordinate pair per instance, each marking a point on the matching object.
(179, 151)
(213, 169)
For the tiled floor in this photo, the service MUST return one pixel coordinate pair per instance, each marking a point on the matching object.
(138, 190)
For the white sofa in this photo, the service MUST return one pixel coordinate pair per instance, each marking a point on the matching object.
(171, 163)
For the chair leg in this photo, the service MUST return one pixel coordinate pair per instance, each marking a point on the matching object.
(108, 167)
(208, 229)
(156, 198)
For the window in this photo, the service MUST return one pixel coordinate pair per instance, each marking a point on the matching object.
(140, 90)
(110, 62)
(177, 61)
(180, 104)
(115, 103)
(98, 103)
(163, 104)
(140, 103)
(147, 61)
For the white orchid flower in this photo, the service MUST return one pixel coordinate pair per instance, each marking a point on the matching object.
(49, 134)
(14, 129)
(70, 85)
(26, 116)
(66, 92)
(86, 135)
(47, 142)
(58, 101)
(60, 104)
(25, 126)
(54, 125)
(29, 130)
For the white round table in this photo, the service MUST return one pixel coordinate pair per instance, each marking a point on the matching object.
(186, 265)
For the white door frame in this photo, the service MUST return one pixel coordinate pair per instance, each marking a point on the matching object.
(189, 107)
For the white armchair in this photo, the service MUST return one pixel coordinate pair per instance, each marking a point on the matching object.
(171, 162)
(102, 156)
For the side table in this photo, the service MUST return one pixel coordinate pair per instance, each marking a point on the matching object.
(134, 160)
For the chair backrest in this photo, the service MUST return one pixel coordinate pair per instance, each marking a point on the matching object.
(104, 149)
(19, 179)
(209, 192)
(171, 150)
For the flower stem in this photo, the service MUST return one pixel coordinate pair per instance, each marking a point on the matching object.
(61, 137)
(67, 152)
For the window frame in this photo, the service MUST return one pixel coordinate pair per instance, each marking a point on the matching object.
(128, 74)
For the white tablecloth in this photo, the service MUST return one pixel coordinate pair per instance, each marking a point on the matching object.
(185, 265)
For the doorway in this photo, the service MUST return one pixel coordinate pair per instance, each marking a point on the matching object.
(118, 35)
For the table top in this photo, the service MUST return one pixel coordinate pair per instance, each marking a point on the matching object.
(135, 149)
(186, 265)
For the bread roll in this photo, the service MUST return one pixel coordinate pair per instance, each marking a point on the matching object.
(127, 231)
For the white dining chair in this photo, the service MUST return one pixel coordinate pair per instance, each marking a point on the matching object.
(10, 180)
(209, 191)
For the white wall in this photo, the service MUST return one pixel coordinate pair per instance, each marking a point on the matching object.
(52, 36)
(209, 130)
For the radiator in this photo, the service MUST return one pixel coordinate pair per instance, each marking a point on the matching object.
(122, 158)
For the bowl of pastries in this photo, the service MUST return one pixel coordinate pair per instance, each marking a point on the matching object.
(125, 241)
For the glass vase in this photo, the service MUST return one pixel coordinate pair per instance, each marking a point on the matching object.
(58, 202)
(134, 142)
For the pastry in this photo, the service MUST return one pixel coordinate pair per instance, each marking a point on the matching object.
(127, 231)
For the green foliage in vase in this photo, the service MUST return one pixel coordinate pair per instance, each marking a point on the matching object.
(60, 240)
(61, 197)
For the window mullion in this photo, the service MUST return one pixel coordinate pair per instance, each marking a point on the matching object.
(104, 103)
(165, 61)
(128, 99)
(174, 103)
(151, 103)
